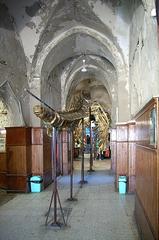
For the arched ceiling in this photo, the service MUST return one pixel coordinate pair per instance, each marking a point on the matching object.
(68, 31)
(76, 31)
(97, 92)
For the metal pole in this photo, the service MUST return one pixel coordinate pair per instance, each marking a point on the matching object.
(91, 157)
(52, 166)
(82, 163)
(61, 152)
(55, 194)
(58, 152)
(55, 174)
(71, 168)
(95, 149)
(40, 100)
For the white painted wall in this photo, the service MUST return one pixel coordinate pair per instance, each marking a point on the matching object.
(144, 57)
(117, 18)
(29, 26)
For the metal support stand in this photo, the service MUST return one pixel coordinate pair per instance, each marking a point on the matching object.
(83, 181)
(61, 151)
(71, 198)
(95, 148)
(55, 199)
(91, 157)
(58, 167)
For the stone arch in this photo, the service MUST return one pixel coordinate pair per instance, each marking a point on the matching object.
(13, 105)
(119, 62)
(71, 81)
(115, 52)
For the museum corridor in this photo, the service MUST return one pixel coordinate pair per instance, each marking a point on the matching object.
(79, 91)
(99, 214)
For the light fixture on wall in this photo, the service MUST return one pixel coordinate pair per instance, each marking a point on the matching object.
(84, 66)
(153, 12)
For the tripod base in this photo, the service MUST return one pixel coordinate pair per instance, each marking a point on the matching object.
(83, 182)
(91, 170)
(57, 224)
(72, 199)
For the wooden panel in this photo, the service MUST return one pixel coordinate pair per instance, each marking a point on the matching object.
(37, 136)
(132, 132)
(18, 136)
(131, 166)
(47, 164)
(113, 156)
(131, 184)
(143, 223)
(122, 156)
(28, 159)
(132, 158)
(3, 180)
(122, 133)
(47, 157)
(3, 171)
(18, 183)
(142, 130)
(121, 151)
(113, 135)
(16, 160)
(146, 184)
(3, 167)
(18, 140)
(37, 159)
(125, 153)
(143, 124)
(122, 160)
(147, 173)
(41, 155)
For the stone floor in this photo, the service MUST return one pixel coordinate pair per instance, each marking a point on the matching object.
(99, 214)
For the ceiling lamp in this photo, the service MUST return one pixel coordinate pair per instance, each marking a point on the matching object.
(84, 66)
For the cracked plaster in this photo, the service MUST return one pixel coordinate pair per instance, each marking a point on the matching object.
(39, 40)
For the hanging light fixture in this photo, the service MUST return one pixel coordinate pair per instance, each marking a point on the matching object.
(84, 66)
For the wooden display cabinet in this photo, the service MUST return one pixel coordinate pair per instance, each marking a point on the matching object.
(123, 147)
(18, 148)
(147, 170)
(41, 155)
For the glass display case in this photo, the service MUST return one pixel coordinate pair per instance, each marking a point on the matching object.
(2, 140)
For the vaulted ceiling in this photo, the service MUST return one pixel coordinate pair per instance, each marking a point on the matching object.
(53, 39)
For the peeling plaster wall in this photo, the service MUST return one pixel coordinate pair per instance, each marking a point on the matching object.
(51, 91)
(117, 15)
(13, 74)
(51, 32)
(79, 17)
(30, 18)
(144, 56)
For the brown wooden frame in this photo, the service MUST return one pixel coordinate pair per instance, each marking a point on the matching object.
(147, 174)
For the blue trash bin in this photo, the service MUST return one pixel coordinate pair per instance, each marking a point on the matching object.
(36, 183)
(122, 184)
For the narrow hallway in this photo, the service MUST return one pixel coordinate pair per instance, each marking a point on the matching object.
(99, 214)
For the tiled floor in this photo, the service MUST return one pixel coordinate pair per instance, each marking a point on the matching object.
(99, 214)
